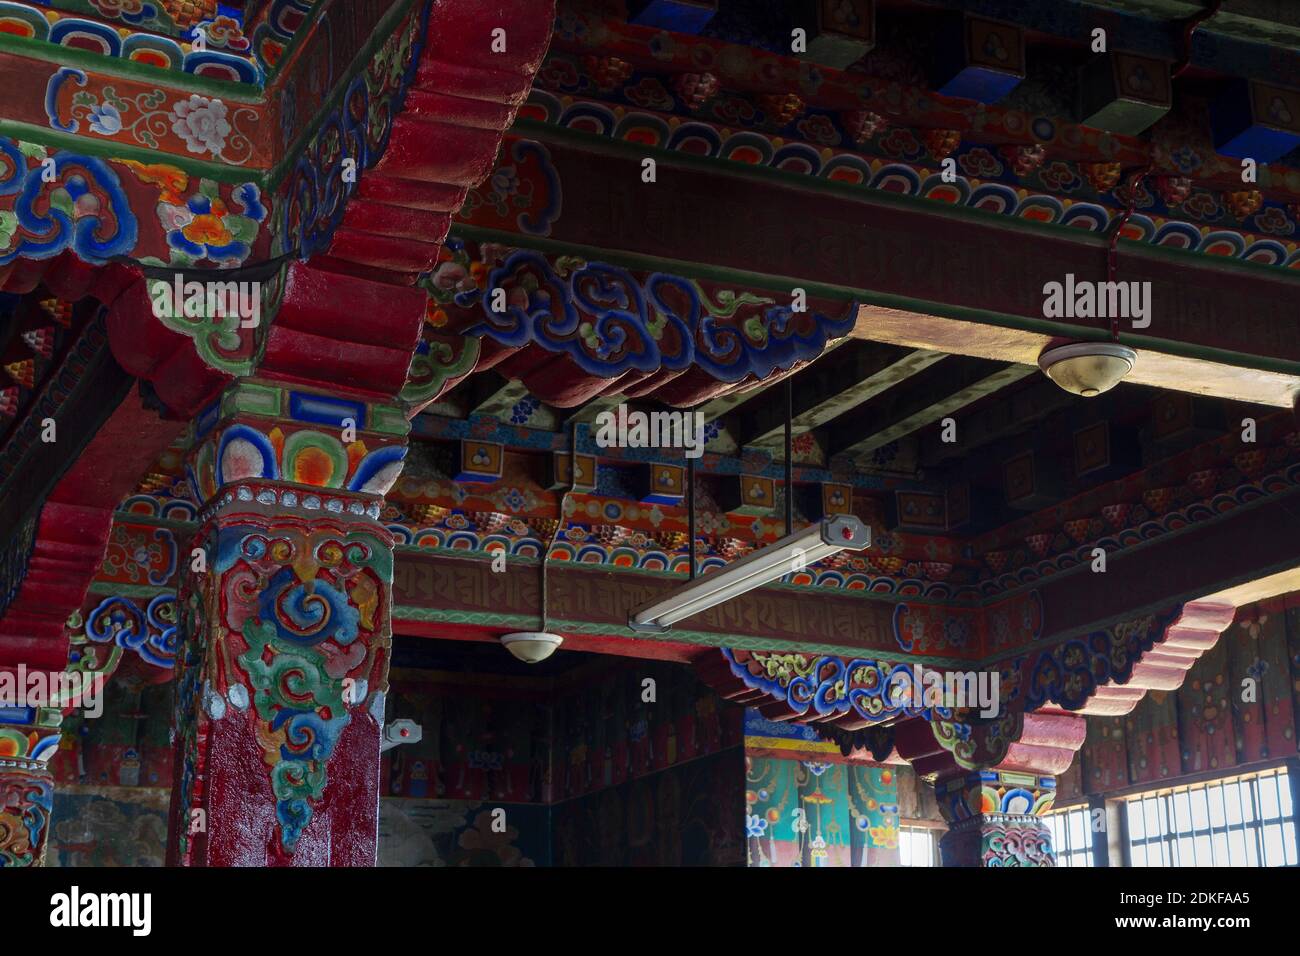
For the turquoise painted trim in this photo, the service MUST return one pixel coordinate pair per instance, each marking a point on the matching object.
(129, 590)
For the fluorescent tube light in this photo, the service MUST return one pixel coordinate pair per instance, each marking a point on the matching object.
(791, 553)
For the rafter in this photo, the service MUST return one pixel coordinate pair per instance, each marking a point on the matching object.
(943, 388)
(830, 388)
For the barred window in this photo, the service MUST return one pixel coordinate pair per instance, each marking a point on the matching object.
(1071, 836)
(1238, 821)
(916, 846)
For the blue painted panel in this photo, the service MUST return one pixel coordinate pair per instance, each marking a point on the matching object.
(320, 410)
(677, 16)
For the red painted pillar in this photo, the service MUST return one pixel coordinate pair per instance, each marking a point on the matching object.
(286, 614)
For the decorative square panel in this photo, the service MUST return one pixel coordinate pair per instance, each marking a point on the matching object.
(836, 499)
(1253, 120)
(838, 32)
(1092, 448)
(977, 59)
(1123, 92)
(661, 484)
(558, 478)
(480, 461)
(921, 510)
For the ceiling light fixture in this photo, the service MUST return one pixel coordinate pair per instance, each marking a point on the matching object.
(1088, 368)
(791, 553)
(531, 647)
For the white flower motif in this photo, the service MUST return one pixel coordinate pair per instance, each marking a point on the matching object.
(174, 217)
(202, 123)
(105, 119)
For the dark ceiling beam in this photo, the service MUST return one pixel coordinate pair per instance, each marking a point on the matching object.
(721, 406)
(937, 392)
(832, 386)
(991, 422)
(1050, 436)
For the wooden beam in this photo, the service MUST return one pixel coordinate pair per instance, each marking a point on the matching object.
(925, 275)
(1182, 373)
(586, 413)
(828, 389)
(940, 390)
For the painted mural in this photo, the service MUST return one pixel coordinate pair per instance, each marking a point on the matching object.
(812, 813)
(108, 826)
(686, 815)
(128, 745)
(1236, 708)
(482, 738)
(607, 732)
(462, 833)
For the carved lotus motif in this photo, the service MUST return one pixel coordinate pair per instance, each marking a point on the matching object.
(1251, 463)
(1173, 189)
(1116, 515)
(936, 570)
(607, 71)
(1158, 500)
(671, 540)
(1040, 544)
(695, 89)
(1024, 159)
(730, 548)
(1079, 529)
(861, 125)
(489, 522)
(1203, 482)
(1102, 176)
(781, 108)
(608, 535)
(996, 560)
(942, 142)
(1243, 202)
(886, 564)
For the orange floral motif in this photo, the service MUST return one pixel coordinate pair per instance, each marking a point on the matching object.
(172, 181)
(209, 228)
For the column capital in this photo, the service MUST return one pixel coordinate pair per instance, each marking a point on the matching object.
(271, 443)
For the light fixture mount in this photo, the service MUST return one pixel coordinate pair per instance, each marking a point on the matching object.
(1087, 368)
(531, 647)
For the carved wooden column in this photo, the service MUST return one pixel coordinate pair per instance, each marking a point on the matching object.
(285, 614)
(26, 789)
(993, 781)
